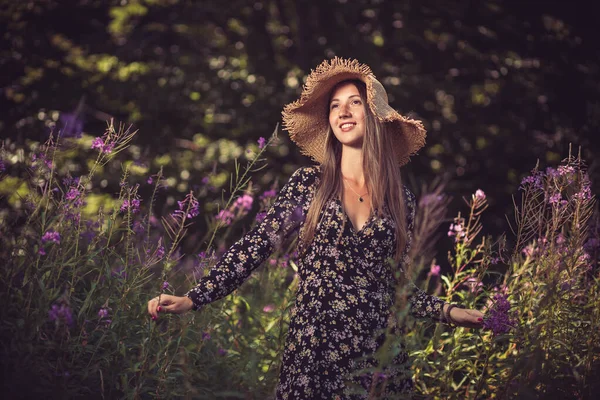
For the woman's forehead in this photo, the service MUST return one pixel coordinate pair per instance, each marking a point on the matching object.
(346, 89)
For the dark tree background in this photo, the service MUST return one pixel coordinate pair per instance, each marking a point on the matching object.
(498, 84)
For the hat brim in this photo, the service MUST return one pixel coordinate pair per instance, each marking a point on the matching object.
(307, 121)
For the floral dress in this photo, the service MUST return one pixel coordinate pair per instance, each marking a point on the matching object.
(344, 296)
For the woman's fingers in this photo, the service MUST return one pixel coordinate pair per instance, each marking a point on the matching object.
(178, 305)
(469, 318)
(152, 305)
(168, 304)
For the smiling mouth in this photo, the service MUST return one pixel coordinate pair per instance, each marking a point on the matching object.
(347, 125)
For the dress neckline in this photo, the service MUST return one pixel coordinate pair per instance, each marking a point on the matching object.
(352, 227)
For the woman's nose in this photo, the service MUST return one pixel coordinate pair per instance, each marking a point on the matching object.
(344, 110)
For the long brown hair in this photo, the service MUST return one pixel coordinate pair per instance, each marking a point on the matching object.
(382, 177)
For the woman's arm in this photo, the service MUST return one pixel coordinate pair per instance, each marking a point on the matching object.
(285, 216)
(423, 305)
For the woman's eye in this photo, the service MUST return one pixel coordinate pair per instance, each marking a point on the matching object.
(356, 102)
(333, 106)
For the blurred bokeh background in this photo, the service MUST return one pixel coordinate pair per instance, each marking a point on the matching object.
(498, 84)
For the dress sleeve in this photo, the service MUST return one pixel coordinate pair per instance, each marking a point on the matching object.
(422, 305)
(236, 264)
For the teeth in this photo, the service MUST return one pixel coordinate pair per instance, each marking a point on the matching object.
(344, 126)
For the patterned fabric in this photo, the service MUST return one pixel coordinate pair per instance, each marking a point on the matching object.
(343, 300)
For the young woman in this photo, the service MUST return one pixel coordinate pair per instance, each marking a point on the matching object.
(353, 214)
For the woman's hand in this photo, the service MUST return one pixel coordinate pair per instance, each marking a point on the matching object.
(466, 318)
(170, 304)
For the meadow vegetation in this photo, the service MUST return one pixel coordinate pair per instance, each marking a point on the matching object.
(79, 267)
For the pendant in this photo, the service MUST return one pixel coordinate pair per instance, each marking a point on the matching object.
(361, 199)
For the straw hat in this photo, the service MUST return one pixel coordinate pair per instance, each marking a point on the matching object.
(307, 120)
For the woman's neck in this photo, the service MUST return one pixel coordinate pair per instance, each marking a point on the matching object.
(352, 165)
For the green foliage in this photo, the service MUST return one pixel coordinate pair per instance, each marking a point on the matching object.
(547, 344)
(77, 282)
(76, 285)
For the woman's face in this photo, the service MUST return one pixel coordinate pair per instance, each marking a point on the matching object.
(347, 115)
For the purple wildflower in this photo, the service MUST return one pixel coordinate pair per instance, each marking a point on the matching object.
(165, 285)
(160, 251)
(150, 180)
(205, 336)
(51, 236)
(268, 308)
(244, 202)
(97, 143)
(41, 157)
(565, 170)
(479, 194)
(584, 258)
(70, 181)
(205, 180)
(434, 270)
(189, 205)
(2, 166)
(74, 217)
(60, 314)
(72, 194)
(103, 312)
(536, 179)
(457, 230)
(552, 173)
(108, 147)
(261, 142)
(529, 250)
(105, 146)
(498, 318)
(222, 351)
(225, 216)
(586, 192)
(555, 198)
(132, 205)
(135, 205)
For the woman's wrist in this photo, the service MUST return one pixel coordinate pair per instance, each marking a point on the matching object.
(193, 305)
(447, 313)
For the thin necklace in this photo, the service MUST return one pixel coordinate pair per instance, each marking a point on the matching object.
(360, 197)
